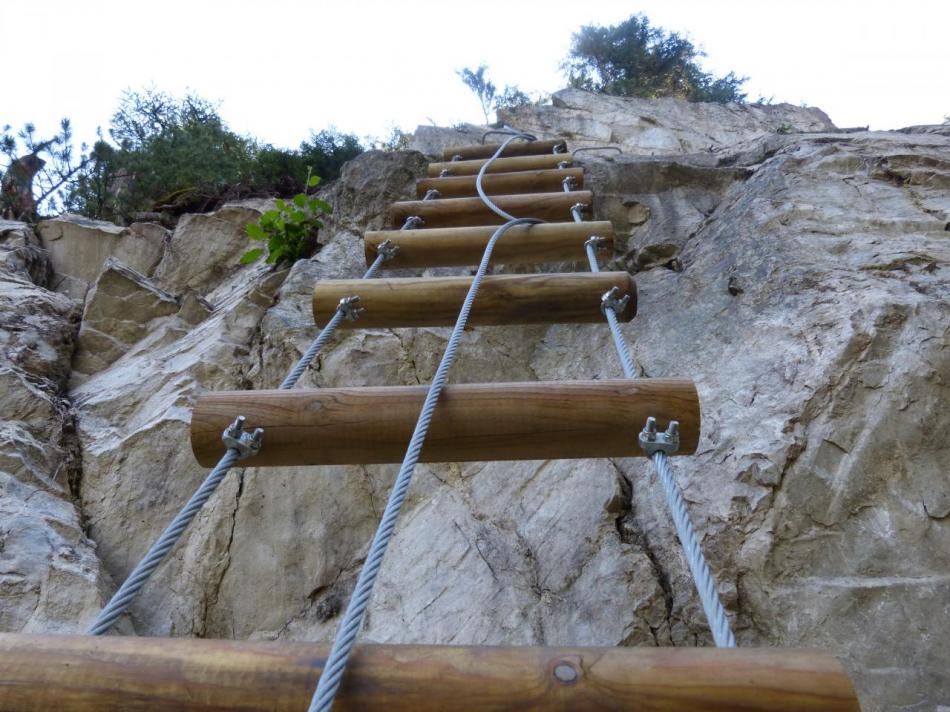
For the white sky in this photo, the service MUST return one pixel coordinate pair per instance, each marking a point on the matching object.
(281, 68)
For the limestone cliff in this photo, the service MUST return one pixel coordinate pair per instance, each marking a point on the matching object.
(799, 274)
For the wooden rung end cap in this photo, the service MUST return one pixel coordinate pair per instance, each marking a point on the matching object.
(536, 420)
(503, 299)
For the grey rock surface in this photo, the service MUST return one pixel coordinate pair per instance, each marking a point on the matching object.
(801, 279)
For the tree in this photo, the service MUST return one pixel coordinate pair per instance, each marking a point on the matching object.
(634, 58)
(480, 85)
(35, 171)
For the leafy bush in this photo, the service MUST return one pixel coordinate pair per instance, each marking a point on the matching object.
(290, 230)
(634, 58)
(487, 93)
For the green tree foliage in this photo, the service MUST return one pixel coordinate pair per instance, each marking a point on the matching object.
(35, 170)
(174, 154)
(634, 58)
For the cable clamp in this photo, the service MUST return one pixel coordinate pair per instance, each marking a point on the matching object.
(412, 222)
(432, 194)
(444, 172)
(563, 164)
(653, 442)
(569, 183)
(235, 437)
(457, 157)
(350, 308)
(613, 301)
(578, 208)
(597, 242)
(560, 148)
(388, 249)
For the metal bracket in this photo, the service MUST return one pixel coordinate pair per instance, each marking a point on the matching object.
(597, 242)
(432, 194)
(237, 438)
(412, 222)
(653, 442)
(350, 308)
(612, 300)
(388, 249)
(444, 172)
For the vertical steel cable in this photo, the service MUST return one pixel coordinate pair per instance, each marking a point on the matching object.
(122, 598)
(335, 665)
(705, 583)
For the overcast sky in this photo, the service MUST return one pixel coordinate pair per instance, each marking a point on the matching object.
(281, 68)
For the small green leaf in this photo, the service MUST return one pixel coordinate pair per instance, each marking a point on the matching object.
(314, 180)
(280, 204)
(298, 216)
(255, 231)
(300, 200)
(323, 205)
(251, 256)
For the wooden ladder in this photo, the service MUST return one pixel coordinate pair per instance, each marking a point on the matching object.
(495, 421)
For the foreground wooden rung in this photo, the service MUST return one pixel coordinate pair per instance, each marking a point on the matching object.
(112, 674)
(558, 298)
(457, 212)
(537, 420)
(515, 148)
(453, 246)
(539, 181)
(500, 165)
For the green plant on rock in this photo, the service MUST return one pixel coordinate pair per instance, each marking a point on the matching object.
(290, 229)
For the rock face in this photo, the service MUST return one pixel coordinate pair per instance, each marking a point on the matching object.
(801, 279)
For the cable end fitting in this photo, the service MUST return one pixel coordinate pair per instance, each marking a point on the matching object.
(653, 441)
(412, 222)
(235, 437)
(350, 308)
(612, 300)
(387, 249)
(597, 242)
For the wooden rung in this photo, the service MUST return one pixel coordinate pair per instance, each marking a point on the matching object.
(539, 420)
(115, 674)
(560, 298)
(539, 181)
(501, 165)
(458, 212)
(452, 246)
(515, 148)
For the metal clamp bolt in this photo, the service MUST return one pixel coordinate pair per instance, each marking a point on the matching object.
(569, 183)
(456, 157)
(613, 301)
(578, 207)
(444, 172)
(388, 249)
(432, 194)
(597, 242)
(653, 442)
(235, 437)
(412, 222)
(350, 308)
(563, 164)
(560, 148)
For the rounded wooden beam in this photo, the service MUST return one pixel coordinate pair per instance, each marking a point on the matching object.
(515, 148)
(501, 165)
(113, 674)
(538, 420)
(503, 299)
(457, 212)
(454, 246)
(539, 181)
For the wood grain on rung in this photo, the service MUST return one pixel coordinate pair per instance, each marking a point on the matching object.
(540, 420)
(500, 165)
(538, 181)
(515, 148)
(458, 212)
(453, 246)
(558, 298)
(115, 674)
